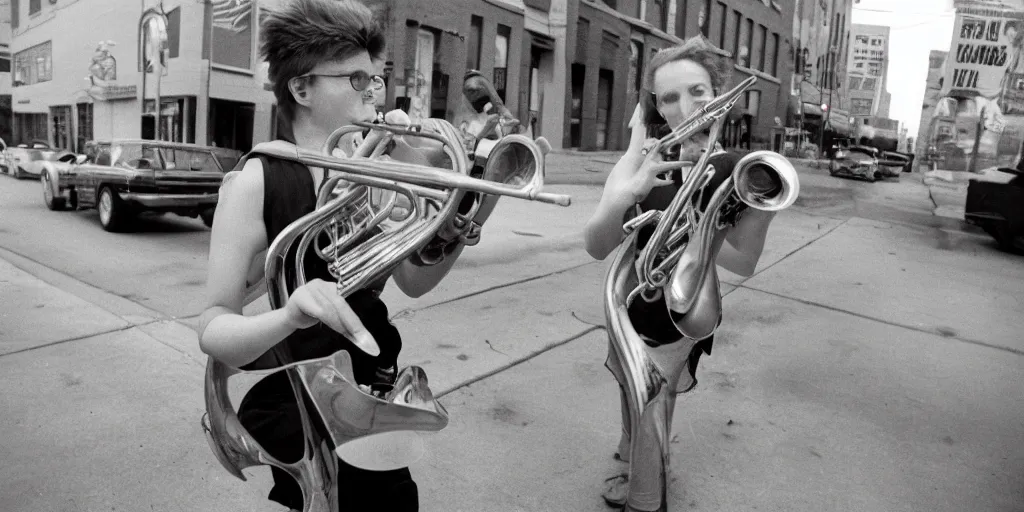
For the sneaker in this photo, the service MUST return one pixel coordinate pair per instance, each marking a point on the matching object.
(616, 488)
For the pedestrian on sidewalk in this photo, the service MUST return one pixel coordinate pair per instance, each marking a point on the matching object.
(325, 58)
(678, 81)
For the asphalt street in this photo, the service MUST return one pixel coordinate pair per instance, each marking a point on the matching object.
(873, 362)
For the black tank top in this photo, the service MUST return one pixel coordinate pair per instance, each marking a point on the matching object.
(289, 193)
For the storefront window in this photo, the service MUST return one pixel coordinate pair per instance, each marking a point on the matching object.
(177, 119)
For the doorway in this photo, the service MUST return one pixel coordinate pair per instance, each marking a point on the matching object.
(230, 124)
(579, 72)
(536, 93)
(61, 115)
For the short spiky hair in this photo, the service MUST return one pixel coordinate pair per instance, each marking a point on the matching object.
(699, 50)
(304, 33)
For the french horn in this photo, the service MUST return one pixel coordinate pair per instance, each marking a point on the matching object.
(442, 204)
(677, 265)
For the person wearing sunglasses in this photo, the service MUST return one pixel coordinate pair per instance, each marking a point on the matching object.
(678, 81)
(324, 60)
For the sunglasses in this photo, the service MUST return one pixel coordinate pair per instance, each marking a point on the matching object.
(360, 80)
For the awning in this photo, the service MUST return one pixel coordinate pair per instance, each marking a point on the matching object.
(812, 109)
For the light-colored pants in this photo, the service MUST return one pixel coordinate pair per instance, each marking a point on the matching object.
(647, 448)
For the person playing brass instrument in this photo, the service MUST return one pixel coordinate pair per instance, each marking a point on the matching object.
(324, 59)
(680, 80)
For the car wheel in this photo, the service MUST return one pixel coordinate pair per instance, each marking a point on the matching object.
(52, 202)
(113, 212)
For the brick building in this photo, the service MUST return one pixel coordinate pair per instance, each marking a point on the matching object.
(569, 69)
(611, 41)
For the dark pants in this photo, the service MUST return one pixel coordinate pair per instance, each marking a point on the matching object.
(270, 413)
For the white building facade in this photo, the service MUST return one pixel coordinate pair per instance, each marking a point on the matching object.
(868, 70)
(76, 73)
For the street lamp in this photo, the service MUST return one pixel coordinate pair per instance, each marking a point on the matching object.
(826, 112)
(153, 42)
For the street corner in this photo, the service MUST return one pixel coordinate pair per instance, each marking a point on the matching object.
(111, 422)
(800, 405)
(909, 276)
(34, 313)
(542, 433)
(467, 339)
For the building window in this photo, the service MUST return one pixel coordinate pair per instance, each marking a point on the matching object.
(861, 106)
(753, 102)
(634, 82)
(32, 65)
(14, 13)
(774, 53)
(722, 14)
(656, 14)
(501, 59)
(476, 27)
(855, 82)
(737, 20)
(869, 84)
(757, 48)
(704, 19)
(173, 32)
(34, 6)
(233, 38)
(748, 42)
(5, 62)
(30, 127)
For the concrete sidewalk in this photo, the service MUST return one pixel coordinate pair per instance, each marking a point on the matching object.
(866, 366)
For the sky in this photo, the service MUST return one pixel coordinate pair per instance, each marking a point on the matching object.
(916, 27)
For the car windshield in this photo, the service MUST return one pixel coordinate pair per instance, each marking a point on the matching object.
(136, 157)
(858, 155)
(185, 159)
(35, 155)
(54, 156)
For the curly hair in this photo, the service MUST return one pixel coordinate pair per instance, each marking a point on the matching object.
(304, 33)
(696, 49)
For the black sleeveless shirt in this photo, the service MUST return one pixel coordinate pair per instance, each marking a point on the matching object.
(289, 194)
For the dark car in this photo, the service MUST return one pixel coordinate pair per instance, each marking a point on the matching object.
(998, 208)
(122, 178)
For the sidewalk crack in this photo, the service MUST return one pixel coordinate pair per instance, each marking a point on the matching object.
(517, 362)
(409, 311)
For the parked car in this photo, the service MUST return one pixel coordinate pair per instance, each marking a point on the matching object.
(856, 162)
(998, 208)
(26, 160)
(125, 177)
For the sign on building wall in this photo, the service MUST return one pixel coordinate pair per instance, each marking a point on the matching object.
(233, 33)
(983, 87)
(103, 76)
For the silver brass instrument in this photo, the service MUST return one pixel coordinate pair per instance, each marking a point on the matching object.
(510, 166)
(677, 264)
